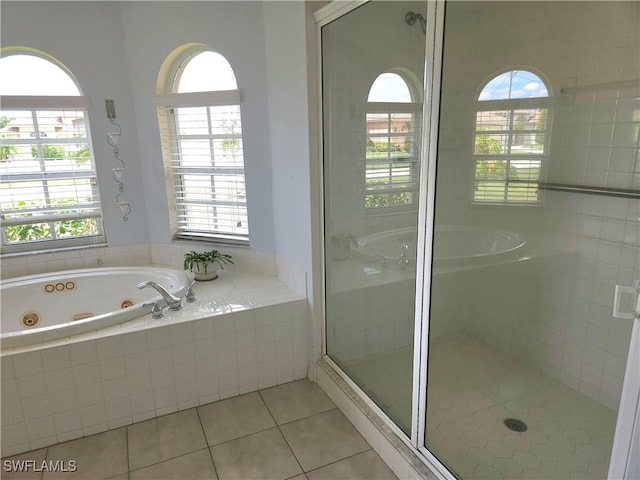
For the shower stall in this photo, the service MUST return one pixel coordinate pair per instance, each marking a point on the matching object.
(481, 204)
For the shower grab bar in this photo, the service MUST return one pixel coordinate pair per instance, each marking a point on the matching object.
(600, 86)
(608, 191)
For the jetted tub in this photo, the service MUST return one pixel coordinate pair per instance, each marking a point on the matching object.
(455, 246)
(38, 308)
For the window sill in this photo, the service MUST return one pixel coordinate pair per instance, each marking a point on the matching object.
(52, 250)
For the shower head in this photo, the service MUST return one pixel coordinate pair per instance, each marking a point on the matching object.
(411, 18)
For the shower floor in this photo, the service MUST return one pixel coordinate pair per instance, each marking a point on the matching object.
(473, 388)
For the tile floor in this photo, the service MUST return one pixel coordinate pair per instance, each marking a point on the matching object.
(472, 389)
(288, 431)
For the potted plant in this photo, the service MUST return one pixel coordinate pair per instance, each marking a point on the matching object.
(205, 265)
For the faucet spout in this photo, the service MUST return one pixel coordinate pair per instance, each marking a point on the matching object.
(174, 303)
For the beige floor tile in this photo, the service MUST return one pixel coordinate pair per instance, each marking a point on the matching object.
(323, 438)
(97, 457)
(363, 466)
(296, 400)
(234, 418)
(193, 466)
(165, 437)
(263, 455)
(36, 455)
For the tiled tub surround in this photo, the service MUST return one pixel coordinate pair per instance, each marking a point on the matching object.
(245, 332)
(245, 261)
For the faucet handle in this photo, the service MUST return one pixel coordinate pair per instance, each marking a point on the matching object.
(190, 297)
(156, 310)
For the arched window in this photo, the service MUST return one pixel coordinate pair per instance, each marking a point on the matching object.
(392, 153)
(199, 113)
(48, 188)
(511, 138)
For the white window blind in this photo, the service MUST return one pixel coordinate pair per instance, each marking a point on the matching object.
(48, 187)
(207, 167)
(510, 139)
(202, 145)
(392, 163)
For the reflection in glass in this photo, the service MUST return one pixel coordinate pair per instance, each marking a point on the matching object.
(371, 170)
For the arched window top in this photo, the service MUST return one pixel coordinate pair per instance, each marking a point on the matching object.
(514, 84)
(205, 72)
(389, 87)
(23, 74)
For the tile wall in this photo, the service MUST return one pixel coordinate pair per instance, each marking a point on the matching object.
(555, 310)
(372, 319)
(245, 261)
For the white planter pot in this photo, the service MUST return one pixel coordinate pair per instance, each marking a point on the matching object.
(201, 275)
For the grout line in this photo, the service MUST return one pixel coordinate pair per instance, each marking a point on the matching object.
(46, 456)
(283, 436)
(206, 440)
(351, 456)
(126, 442)
(169, 459)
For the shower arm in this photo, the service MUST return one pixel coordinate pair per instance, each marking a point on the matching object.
(411, 18)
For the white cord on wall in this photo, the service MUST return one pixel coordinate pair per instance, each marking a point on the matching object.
(113, 138)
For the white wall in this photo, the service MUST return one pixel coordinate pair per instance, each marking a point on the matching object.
(152, 30)
(116, 49)
(286, 68)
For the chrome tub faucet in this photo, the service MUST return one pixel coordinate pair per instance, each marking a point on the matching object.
(174, 303)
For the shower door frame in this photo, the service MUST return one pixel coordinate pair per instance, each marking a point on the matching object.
(426, 201)
(434, 52)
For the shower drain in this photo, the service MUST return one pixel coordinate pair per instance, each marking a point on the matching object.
(515, 425)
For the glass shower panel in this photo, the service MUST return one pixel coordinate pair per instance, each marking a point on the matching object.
(539, 100)
(373, 66)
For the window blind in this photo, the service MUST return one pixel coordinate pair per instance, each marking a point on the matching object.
(392, 162)
(48, 186)
(509, 151)
(204, 161)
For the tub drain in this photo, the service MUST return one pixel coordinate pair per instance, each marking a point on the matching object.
(515, 425)
(30, 319)
(126, 303)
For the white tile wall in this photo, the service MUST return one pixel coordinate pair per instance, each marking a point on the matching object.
(554, 310)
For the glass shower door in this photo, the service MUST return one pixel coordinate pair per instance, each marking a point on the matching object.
(537, 218)
(373, 65)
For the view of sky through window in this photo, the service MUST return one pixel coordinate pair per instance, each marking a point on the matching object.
(389, 87)
(207, 72)
(23, 74)
(514, 84)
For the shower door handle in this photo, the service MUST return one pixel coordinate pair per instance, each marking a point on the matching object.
(626, 290)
